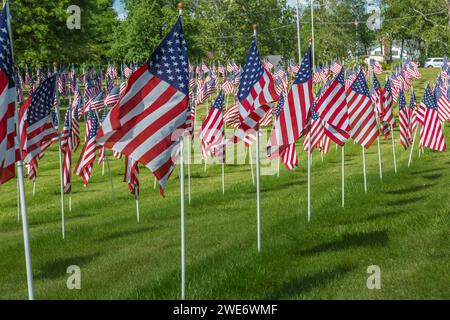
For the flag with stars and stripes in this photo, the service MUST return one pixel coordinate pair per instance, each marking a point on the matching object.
(431, 132)
(387, 115)
(149, 119)
(8, 152)
(363, 121)
(404, 121)
(331, 107)
(212, 131)
(289, 157)
(443, 103)
(87, 157)
(293, 118)
(38, 122)
(412, 113)
(113, 96)
(316, 132)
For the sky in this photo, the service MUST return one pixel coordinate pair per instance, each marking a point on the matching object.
(119, 8)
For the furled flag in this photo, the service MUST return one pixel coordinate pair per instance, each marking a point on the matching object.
(403, 120)
(289, 157)
(38, 126)
(149, 119)
(363, 122)
(256, 96)
(75, 138)
(431, 133)
(378, 97)
(132, 175)
(395, 85)
(331, 107)
(87, 157)
(375, 66)
(95, 103)
(8, 154)
(335, 68)
(316, 132)
(412, 113)
(231, 116)
(293, 117)
(66, 148)
(212, 131)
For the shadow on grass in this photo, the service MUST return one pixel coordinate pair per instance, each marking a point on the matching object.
(402, 202)
(57, 268)
(375, 238)
(381, 215)
(411, 189)
(429, 170)
(301, 285)
(432, 176)
(125, 233)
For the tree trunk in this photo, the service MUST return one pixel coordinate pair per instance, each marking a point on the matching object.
(401, 50)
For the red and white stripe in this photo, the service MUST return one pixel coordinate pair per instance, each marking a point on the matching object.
(289, 157)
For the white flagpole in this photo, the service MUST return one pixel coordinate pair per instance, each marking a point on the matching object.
(393, 150)
(258, 195)
(23, 204)
(183, 261)
(189, 169)
(298, 34)
(312, 34)
(103, 167)
(343, 185)
(136, 195)
(309, 133)
(223, 177)
(60, 157)
(379, 158)
(18, 201)
(364, 169)
(412, 147)
(251, 163)
(34, 187)
(154, 184)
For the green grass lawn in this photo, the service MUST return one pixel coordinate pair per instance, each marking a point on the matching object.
(401, 225)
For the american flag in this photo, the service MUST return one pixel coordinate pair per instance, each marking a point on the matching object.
(443, 103)
(132, 175)
(375, 66)
(431, 132)
(404, 121)
(38, 122)
(289, 157)
(420, 111)
(412, 113)
(331, 107)
(230, 66)
(412, 70)
(268, 64)
(212, 131)
(316, 132)
(123, 85)
(97, 102)
(101, 149)
(395, 86)
(144, 124)
(293, 118)
(231, 115)
(228, 86)
(387, 116)
(351, 76)
(8, 154)
(379, 95)
(273, 148)
(87, 157)
(66, 131)
(66, 148)
(75, 137)
(113, 96)
(126, 71)
(256, 95)
(335, 68)
(363, 122)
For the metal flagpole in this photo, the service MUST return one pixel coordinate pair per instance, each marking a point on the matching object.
(18, 201)
(189, 168)
(103, 167)
(34, 187)
(309, 133)
(183, 257)
(412, 147)
(343, 185)
(136, 195)
(251, 162)
(393, 150)
(364, 169)
(312, 34)
(379, 159)
(60, 155)
(154, 184)
(23, 204)
(298, 35)
(258, 195)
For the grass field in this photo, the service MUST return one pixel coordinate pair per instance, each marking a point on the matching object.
(401, 225)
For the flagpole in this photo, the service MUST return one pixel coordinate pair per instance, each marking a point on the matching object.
(379, 158)
(18, 201)
(343, 185)
(23, 204)
(34, 187)
(251, 162)
(183, 261)
(136, 195)
(189, 169)
(312, 34)
(60, 154)
(364, 169)
(298, 36)
(393, 150)
(412, 147)
(309, 133)
(258, 195)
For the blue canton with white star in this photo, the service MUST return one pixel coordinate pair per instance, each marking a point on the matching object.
(94, 125)
(218, 104)
(412, 102)
(304, 73)
(6, 63)
(42, 101)
(360, 85)
(376, 83)
(253, 70)
(387, 86)
(280, 105)
(428, 99)
(401, 100)
(169, 61)
(340, 76)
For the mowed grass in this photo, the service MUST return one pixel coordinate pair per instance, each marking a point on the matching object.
(401, 225)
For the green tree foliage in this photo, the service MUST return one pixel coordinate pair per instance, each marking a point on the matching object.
(41, 35)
